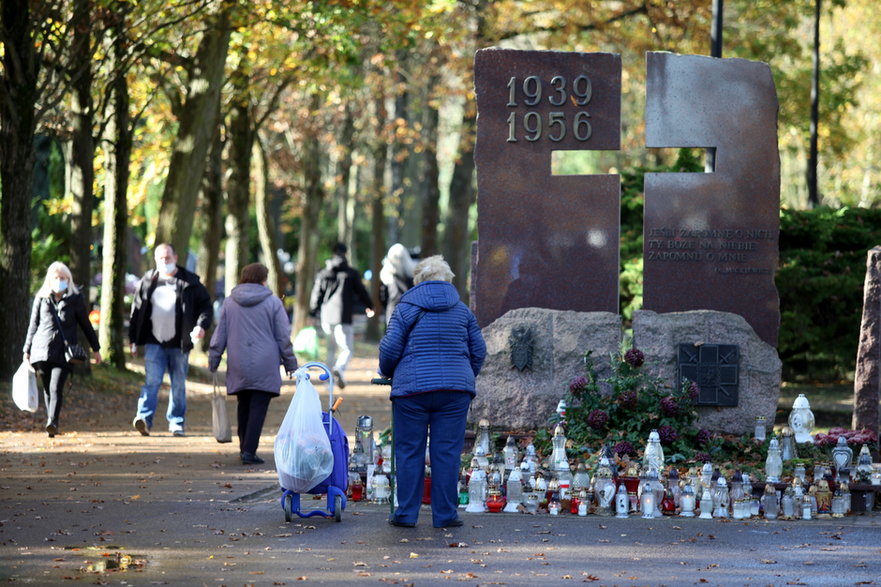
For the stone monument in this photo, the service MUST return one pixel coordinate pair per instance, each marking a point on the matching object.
(710, 239)
(545, 241)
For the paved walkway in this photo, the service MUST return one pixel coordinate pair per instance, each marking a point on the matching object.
(100, 504)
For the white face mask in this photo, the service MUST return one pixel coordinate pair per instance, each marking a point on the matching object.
(167, 268)
(59, 285)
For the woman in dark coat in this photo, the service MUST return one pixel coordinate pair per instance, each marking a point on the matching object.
(433, 350)
(255, 331)
(58, 309)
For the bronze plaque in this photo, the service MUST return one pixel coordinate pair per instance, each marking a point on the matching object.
(711, 238)
(545, 241)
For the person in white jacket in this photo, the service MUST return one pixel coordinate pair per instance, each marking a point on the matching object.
(255, 332)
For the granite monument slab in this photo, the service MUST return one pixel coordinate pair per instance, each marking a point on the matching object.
(710, 239)
(545, 241)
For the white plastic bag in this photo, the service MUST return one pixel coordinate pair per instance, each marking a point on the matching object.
(219, 418)
(24, 388)
(303, 455)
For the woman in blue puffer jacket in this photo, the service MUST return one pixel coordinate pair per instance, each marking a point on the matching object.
(433, 350)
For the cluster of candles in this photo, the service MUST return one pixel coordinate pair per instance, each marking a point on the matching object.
(652, 490)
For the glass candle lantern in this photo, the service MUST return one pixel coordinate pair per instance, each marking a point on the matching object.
(774, 462)
(381, 489)
(559, 460)
(364, 434)
(842, 455)
(760, 430)
(476, 489)
(864, 465)
(514, 491)
(583, 502)
(807, 511)
(769, 502)
(720, 499)
(787, 445)
(647, 501)
(510, 452)
(495, 501)
(688, 501)
(801, 419)
(622, 502)
(706, 504)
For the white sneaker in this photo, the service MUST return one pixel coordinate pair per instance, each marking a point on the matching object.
(178, 432)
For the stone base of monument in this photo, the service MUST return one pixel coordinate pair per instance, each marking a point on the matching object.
(665, 337)
(532, 355)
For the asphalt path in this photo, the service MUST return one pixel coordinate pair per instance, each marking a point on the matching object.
(106, 506)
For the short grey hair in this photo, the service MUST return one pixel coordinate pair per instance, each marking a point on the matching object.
(432, 268)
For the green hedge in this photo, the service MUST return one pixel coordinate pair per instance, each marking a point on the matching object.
(820, 280)
(820, 277)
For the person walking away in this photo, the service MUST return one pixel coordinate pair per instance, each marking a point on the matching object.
(337, 287)
(255, 332)
(57, 310)
(171, 310)
(432, 351)
(396, 276)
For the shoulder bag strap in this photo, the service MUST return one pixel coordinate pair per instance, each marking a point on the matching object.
(53, 308)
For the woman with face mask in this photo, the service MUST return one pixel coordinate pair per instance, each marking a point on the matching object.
(58, 309)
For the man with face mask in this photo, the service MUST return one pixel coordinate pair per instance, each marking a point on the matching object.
(171, 310)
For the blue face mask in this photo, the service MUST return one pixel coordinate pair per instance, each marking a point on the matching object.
(60, 285)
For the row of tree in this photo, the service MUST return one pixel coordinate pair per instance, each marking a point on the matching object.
(239, 128)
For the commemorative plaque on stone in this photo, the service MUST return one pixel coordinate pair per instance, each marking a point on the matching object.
(710, 239)
(545, 240)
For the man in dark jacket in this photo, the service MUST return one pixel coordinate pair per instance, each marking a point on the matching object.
(336, 289)
(170, 312)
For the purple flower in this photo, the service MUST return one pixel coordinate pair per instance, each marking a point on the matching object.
(627, 399)
(577, 385)
(634, 357)
(597, 419)
(668, 434)
(624, 448)
(702, 438)
(702, 457)
(693, 391)
(669, 406)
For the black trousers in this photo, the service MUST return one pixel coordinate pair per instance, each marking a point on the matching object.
(53, 376)
(251, 414)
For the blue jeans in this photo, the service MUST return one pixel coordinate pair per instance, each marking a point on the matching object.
(158, 359)
(445, 412)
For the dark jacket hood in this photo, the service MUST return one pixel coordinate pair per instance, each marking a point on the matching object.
(432, 296)
(249, 294)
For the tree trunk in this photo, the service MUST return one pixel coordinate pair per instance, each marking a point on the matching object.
(266, 228)
(377, 216)
(431, 202)
(212, 214)
(82, 150)
(18, 86)
(867, 379)
(82, 159)
(118, 149)
(238, 187)
(314, 199)
(457, 245)
(813, 191)
(198, 122)
(343, 175)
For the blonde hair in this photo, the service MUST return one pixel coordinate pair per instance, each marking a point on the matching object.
(57, 267)
(432, 268)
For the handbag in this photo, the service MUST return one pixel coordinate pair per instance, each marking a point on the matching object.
(74, 353)
(24, 388)
(219, 417)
